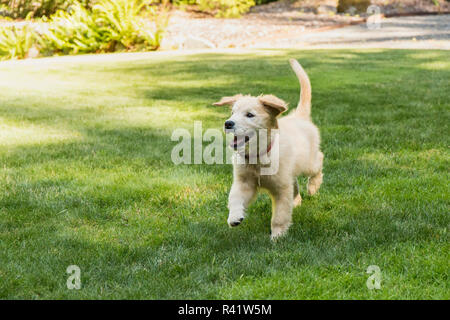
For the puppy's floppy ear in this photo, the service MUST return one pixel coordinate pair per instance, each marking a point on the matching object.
(227, 100)
(275, 104)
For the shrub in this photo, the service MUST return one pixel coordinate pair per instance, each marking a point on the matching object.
(359, 5)
(222, 8)
(191, 2)
(123, 26)
(16, 41)
(111, 25)
(226, 8)
(184, 2)
(71, 32)
(263, 1)
(38, 8)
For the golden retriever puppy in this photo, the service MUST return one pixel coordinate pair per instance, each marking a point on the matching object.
(293, 145)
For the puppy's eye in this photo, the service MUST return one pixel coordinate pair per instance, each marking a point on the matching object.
(250, 115)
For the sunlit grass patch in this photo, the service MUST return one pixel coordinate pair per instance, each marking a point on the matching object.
(20, 134)
(436, 65)
(87, 178)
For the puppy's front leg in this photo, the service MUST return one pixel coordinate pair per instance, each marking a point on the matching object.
(281, 212)
(241, 193)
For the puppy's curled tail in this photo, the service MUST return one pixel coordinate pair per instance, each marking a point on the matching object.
(304, 105)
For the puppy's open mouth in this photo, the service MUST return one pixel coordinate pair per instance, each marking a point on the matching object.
(240, 140)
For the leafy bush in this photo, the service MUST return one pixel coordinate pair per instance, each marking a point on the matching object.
(222, 8)
(123, 26)
(16, 41)
(185, 2)
(226, 8)
(359, 5)
(111, 25)
(38, 8)
(71, 32)
(263, 1)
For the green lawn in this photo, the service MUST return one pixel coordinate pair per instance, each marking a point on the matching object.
(86, 178)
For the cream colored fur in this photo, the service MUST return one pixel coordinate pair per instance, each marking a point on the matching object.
(298, 146)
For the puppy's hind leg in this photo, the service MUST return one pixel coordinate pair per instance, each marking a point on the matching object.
(316, 179)
(297, 196)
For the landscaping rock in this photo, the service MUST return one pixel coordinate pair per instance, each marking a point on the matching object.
(192, 42)
(33, 53)
(326, 9)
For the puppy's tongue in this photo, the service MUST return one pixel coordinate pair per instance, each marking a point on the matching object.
(237, 142)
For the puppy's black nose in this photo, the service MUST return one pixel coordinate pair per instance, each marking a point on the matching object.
(229, 124)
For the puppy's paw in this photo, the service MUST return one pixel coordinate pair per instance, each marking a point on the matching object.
(312, 189)
(314, 184)
(278, 232)
(235, 219)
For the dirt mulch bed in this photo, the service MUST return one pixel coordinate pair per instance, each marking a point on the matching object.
(277, 20)
(409, 7)
(271, 20)
(388, 7)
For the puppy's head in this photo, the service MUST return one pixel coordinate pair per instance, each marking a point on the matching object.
(249, 114)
